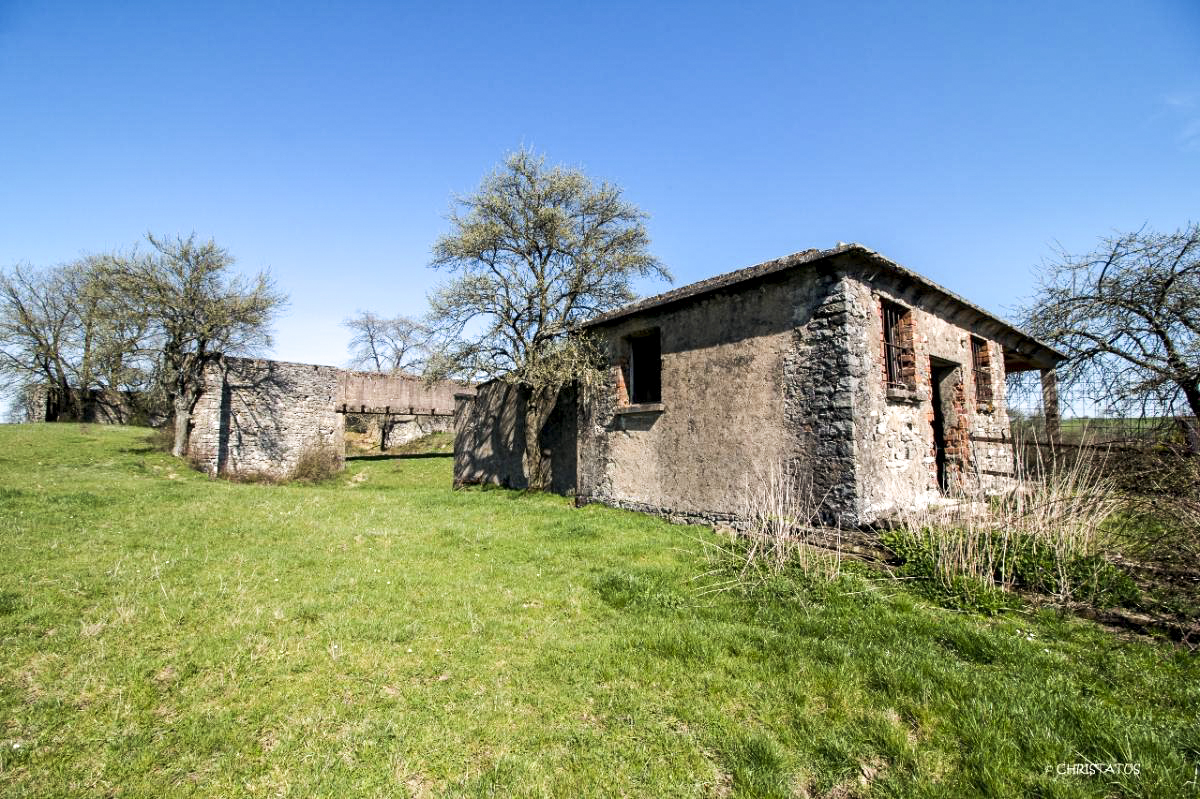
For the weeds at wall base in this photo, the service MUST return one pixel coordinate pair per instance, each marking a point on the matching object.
(1016, 563)
(1049, 536)
(161, 439)
(315, 465)
(781, 543)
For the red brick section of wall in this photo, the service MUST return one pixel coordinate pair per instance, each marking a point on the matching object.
(930, 419)
(981, 372)
(905, 336)
(958, 437)
(958, 446)
(619, 370)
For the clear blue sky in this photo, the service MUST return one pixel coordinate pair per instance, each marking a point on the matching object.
(324, 140)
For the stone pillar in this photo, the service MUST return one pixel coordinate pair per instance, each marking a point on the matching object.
(1050, 405)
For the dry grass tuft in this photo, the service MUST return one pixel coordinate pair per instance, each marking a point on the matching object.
(316, 463)
(1047, 534)
(781, 530)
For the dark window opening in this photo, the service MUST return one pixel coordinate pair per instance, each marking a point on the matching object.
(645, 368)
(899, 358)
(981, 362)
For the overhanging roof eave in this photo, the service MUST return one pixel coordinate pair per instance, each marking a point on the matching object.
(1035, 351)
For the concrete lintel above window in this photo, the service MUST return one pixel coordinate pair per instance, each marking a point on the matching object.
(909, 395)
(641, 407)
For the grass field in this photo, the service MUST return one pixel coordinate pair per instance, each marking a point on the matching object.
(164, 634)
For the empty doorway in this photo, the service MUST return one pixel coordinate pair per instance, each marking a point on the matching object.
(945, 383)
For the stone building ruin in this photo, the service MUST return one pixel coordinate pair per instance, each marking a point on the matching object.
(258, 417)
(880, 388)
(42, 403)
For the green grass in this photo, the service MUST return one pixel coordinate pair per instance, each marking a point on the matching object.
(163, 634)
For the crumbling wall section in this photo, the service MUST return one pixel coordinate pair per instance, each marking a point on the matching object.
(394, 430)
(257, 417)
(42, 403)
(35, 404)
(895, 439)
(783, 373)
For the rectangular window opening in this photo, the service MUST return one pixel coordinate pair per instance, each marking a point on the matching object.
(645, 367)
(899, 357)
(981, 363)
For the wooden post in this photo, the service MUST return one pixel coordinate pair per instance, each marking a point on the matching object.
(1050, 406)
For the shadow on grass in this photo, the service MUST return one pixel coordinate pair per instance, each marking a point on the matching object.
(400, 457)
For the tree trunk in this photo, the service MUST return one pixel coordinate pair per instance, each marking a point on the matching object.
(1189, 426)
(183, 417)
(537, 410)
(69, 400)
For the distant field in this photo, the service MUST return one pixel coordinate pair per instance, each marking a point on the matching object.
(1083, 429)
(164, 634)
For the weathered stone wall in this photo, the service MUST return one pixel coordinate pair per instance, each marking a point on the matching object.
(258, 416)
(488, 430)
(35, 404)
(822, 392)
(730, 407)
(895, 438)
(489, 438)
(100, 406)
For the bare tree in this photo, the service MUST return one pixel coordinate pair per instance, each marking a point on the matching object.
(195, 312)
(65, 328)
(1128, 314)
(37, 325)
(532, 252)
(113, 337)
(391, 345)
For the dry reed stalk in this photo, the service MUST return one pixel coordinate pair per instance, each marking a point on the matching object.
(1055, 506)
(781, 513)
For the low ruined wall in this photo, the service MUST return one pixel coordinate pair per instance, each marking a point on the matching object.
(100, 406)
(489, 438)
(35, 404)
(258, 416)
